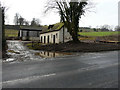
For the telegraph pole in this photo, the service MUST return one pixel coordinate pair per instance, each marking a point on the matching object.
(3, 32)
(0, 33)
(1, 46)
(119, 13)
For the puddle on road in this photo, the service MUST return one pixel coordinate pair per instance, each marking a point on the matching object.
(18, 52)
(45, 54)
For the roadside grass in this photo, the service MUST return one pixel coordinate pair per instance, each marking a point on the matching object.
(12, 51)
(11, 33)
(87, 38)
(99, 34)
(33, 45)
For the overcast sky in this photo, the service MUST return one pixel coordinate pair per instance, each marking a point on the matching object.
(104, 12)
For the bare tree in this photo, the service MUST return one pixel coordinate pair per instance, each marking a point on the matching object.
(70, 13)
(16, 19)
(117, 28)
(21, 20)
(105, 28)
(35, 22)
(26, 22)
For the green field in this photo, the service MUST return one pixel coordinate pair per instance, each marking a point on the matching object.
(99, 33)
(14, 33)
(11, 33)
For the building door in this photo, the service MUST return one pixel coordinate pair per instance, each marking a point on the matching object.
(44, 39)
(48, 39)
(41, 39)
(53, 38)
(27, 35)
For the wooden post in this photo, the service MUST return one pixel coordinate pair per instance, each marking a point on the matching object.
(3, 33)
(0, 47)
(0, 33)
(119, 13)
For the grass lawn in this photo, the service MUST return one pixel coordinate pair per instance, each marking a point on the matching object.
(94, 34)
(11, 33)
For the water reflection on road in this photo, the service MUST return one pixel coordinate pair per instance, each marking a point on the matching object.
(18, 52)
(45, 54)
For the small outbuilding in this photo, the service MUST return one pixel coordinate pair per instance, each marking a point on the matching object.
(56, 33)
(29, 33)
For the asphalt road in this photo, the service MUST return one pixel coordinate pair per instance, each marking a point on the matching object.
(85, 70)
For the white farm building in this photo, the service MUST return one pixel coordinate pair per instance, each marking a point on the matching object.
(56, 33)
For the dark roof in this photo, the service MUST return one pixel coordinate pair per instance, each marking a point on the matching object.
(30, 28)
(52, 28)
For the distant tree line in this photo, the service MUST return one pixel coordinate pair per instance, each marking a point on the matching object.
(19, 20)
(109, 28)
(103, 28)
(117, 28)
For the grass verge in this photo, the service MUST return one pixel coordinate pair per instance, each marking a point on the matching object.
(96, 34)
(11, 33)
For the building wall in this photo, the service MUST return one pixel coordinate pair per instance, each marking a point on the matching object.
(33, 35)
(50, 35)
(67, 36)
(31, 38)
(58, 36)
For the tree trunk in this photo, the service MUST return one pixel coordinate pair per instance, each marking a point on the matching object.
(3, 35)
(75, 37)
(75, 40)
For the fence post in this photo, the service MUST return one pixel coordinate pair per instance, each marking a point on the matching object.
(1, 47)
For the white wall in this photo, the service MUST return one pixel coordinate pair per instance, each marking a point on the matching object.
(59, 38)
(50, 34)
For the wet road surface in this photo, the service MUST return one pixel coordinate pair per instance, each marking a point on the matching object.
(84, 70)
